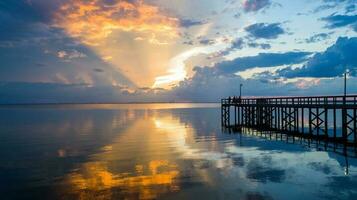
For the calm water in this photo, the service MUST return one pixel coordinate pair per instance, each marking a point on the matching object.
(156, 151)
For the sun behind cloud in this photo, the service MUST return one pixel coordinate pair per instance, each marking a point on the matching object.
(112, 30)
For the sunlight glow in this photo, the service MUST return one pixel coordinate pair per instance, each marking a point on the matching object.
(132, 37)
(177, 68)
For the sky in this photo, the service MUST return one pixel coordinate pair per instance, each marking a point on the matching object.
(174, 50)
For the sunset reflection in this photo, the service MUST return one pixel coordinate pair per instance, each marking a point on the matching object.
(147, 153)
(121, 168)
(146, 176)
(96, 177)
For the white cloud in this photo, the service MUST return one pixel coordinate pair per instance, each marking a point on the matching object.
(177, 68)
(68, 55)
(61, 54)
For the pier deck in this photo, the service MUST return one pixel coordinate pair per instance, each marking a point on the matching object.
(331, 118)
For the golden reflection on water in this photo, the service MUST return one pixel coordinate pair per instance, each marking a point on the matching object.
(96, 176)
(138, 163)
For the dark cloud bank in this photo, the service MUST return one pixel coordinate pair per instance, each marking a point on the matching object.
(333, 62)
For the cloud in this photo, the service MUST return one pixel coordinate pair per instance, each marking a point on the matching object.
(330, 63)
(207, 41)
(34, 49)
(350, 8)
(305, 84)
(98, 70)
(114, 29)
(261, 60)
(237, 43)
(21, 24)
(93, 21)
(338, 21)
(324, 7)
(68, 55)
(27, 92)
(330, 4)
(318, 37)
(120, 25)
(207, 85)
(258, 45)
(61, 54)
(265, 31)
(187, 23)
(177, 67)
(255, 5)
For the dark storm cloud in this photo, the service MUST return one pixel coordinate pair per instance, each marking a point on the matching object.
(338, 21)
(262, 60)
(265, 31)
(331, 63)
(255, 5)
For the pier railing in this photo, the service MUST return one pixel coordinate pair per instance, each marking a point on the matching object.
(325, 117)
(349, 100)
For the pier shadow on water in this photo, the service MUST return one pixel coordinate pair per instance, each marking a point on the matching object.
(160, 151)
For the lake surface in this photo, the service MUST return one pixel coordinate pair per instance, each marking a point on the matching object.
(156, 151)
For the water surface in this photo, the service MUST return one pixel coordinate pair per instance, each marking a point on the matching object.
(156, 151)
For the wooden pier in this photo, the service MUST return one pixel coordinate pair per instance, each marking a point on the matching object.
(328, 118)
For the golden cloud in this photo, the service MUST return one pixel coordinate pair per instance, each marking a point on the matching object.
(132, 36)
(93, 21)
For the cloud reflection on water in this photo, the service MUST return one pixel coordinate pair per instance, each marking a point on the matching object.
(173, 153)
(161, 153)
